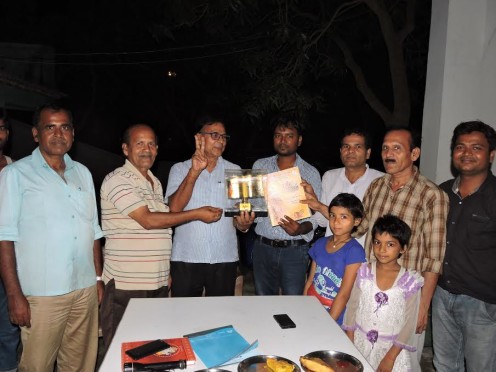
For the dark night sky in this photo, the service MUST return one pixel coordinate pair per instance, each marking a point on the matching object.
(110, 91)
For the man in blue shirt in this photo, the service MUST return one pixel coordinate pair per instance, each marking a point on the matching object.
(50, 255)
(204, 256)
(280, 253)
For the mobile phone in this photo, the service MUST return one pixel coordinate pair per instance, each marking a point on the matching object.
(147, 349)
(284, 321)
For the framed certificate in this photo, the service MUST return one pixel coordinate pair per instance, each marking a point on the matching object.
(284, 192)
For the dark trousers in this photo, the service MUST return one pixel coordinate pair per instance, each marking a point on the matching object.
(114, 304)
(190, 279)
(9, 335)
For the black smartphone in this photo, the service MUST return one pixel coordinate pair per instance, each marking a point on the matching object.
(147, 349)
(284, 321)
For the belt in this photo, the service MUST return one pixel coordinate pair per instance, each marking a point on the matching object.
(282, 243)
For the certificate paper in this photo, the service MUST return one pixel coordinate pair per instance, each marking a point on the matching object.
(284, 192)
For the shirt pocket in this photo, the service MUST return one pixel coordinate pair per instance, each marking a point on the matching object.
(482, 231)
(85, 205)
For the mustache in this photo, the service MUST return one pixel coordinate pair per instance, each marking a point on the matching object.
(390, 161)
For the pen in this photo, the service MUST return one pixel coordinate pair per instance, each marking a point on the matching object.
(161, 367)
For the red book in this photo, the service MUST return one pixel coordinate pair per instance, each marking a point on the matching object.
(180, 350)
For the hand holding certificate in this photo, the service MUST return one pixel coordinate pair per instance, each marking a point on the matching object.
(284, 192)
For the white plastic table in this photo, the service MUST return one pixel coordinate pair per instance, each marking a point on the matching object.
(251, 316)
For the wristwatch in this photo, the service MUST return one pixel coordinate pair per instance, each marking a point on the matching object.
(99, 279)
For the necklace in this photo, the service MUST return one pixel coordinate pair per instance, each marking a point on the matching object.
(335, 244)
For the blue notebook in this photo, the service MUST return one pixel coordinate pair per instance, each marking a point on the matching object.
(221, 346)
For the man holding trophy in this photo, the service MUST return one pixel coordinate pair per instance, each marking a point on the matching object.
(204, 256)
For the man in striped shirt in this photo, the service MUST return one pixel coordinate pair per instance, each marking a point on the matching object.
(405, 193)
(137, 227)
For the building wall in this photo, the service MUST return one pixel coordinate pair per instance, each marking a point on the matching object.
(461, 77)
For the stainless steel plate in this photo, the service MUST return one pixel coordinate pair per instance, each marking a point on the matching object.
(258, 363)
(340, 362)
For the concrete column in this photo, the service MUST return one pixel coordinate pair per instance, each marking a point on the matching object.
(461, 77)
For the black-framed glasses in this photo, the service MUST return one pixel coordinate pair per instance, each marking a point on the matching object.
(217, 136)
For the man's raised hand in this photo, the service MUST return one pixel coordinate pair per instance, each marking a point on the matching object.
(199, 161)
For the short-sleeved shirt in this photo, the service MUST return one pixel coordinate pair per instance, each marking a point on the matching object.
(330, 268)
(335, 182)
(136, 258)
(307, 172)
(196, 241)
(423, 206)
(53, 224)
(469, 263)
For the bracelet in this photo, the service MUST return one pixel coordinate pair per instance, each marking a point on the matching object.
(99, 279)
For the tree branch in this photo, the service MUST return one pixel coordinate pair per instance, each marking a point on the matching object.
(409, 21)
(399, 81)
(361, 82)
(342, 8)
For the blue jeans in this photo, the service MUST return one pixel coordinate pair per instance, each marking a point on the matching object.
(463, 328)
(275, 268)
(9, 335)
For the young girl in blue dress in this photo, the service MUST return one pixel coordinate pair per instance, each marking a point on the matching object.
(336, 259)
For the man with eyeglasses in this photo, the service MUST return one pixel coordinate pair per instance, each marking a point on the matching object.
(354, 178)
(50, 255)
(204, 257)
(280, 253)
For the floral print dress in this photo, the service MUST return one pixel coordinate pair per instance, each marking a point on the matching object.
(383, 318)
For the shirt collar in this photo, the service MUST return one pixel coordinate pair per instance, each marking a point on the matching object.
(130, 167)
(412, 181)
(40, 160)
(456, 184)
(342, 174)
(296, 164)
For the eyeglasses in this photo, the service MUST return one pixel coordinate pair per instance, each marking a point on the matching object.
(217, 136)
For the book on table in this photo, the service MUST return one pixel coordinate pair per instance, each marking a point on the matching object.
(221, 346)
(180, 349)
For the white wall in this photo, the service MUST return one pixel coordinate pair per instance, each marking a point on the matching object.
(461, 77)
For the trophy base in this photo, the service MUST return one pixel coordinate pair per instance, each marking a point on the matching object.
(232, 213)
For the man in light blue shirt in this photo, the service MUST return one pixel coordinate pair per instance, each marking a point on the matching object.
(50, 256)
(204, 256)
(280, 253)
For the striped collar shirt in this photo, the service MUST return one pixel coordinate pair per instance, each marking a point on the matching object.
(136, 258)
